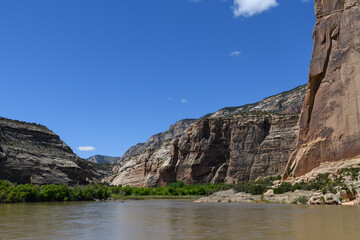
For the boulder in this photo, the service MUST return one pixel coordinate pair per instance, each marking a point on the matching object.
(269, 193)
(328, 199)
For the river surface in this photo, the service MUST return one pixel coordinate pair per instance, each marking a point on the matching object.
(177, 220)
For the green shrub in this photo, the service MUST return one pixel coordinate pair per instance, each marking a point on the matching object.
(178, 184)
(283, 188)
(298, 186)
(253, 188)
(257, 189)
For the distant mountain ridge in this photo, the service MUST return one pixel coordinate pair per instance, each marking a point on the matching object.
(102, 159)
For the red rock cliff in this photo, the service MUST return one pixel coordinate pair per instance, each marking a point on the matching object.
(329, 125)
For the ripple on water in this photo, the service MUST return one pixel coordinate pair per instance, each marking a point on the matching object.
(176, 220)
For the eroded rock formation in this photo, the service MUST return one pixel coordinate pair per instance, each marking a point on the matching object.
(330, 118)
(31, 153)
(230, 145)
(241, 148)
(176, 130)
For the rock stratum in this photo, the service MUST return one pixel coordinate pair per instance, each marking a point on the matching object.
(231, 145)
(31, 153)
(329, 125)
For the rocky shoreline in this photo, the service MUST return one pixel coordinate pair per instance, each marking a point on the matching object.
(296, 197)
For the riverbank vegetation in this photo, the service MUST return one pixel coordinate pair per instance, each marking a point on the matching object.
(326, 183)
(14, 193)
(342, 181)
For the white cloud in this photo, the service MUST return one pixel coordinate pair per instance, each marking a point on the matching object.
(86, 148)
(235, 53)
(248, 8)
(183, 100)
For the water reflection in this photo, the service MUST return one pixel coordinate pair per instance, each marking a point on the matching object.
(176, 220)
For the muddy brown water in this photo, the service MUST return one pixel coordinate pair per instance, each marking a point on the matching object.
(177, 220)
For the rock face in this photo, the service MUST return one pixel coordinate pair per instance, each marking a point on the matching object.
(101, 159)
(329, 126)
(285, 102)
(31, 153)
(234, 197)
(329, 199)
(241, 148)
(175, 130)
(228, 147)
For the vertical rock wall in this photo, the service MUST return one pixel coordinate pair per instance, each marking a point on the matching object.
(330, 119)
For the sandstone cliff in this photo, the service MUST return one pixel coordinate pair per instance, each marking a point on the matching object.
(330, 118)
(231, 145)
(31, 153)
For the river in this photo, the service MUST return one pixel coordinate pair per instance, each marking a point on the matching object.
(176, 220)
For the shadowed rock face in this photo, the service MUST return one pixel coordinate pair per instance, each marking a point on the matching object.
(230, 145)
(31, 153)
(240, 148)
(330, 118)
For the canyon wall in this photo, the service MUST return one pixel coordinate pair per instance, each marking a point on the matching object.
(31, 153)
(240, 148)
(329, 126)
(231, 145)
(176, 130)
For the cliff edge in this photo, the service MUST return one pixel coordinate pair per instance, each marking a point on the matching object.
(329, 125)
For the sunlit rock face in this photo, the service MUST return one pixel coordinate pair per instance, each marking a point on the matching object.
(176, 130)
(240, 148)
(329, 126)
(231, 145)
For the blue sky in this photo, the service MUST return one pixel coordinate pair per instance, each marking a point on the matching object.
(109, 74)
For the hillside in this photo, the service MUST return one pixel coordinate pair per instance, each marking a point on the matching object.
(31, 153)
